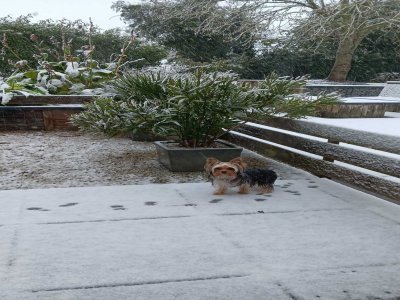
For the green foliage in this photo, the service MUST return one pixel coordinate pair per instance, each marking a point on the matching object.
(60, 56)
(49, 40)
(141, 86)
(343, 26)
(284, 96)
(58, 78)
(139, 101)
(195, 109)
(387, 76)
(311, 50)
(200, 106)
(162, 22)
(378, 53)
(102, 115)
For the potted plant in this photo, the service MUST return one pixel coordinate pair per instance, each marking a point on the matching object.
(199, 110)
(193, 110)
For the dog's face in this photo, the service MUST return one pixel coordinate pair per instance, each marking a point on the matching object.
(224, 170)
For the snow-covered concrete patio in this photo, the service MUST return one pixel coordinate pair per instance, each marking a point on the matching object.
(310, 239)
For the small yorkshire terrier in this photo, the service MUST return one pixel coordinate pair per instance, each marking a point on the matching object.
(234, 173)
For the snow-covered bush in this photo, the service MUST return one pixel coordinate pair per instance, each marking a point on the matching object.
(56, 78)
(193, 108)
(62, 70)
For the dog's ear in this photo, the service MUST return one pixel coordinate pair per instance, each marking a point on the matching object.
(238, 162)
(211, 161)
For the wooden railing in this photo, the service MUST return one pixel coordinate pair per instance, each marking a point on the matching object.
(319, 149)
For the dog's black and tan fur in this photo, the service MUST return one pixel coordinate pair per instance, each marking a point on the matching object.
(234, 173)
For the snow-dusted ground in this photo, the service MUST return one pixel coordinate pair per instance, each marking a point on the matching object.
(64, 159)
(310, 239)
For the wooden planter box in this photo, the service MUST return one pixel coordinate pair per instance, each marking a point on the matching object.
(180, 159)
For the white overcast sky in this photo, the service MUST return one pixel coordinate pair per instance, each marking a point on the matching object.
(99, 10)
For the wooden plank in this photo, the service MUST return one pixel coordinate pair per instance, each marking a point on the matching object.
(329, 151)
(58, 120)
(372, 184)
(345, 90)
(376, 141)
(22, 120)
(48, 120)
(394, 107)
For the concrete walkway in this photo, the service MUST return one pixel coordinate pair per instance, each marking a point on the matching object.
(310, 239)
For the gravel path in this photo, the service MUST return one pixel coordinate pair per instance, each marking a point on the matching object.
(65, 159)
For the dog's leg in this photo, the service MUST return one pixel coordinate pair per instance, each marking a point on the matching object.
(266, 189)
(244, 189)
(220, 190)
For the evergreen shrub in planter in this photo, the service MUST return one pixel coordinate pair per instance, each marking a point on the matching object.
(193, 110)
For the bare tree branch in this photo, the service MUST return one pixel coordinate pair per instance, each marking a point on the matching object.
(346, 21)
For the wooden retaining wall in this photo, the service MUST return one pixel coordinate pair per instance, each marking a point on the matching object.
(327, 157)
(50, 117)
(357, 110)
(355, 90)
(345, 90)
(47, 112)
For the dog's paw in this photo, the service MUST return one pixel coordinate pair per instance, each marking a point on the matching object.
(219, 193)
(243, 189)
(266, 190)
